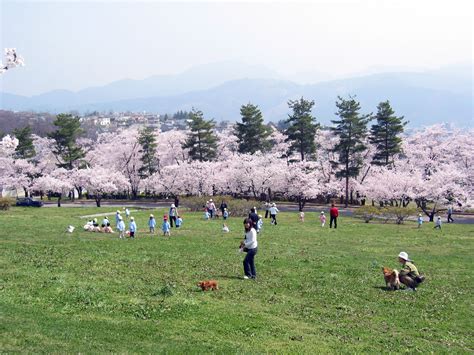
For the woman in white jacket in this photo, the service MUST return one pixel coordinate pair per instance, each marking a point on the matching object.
(250, 246)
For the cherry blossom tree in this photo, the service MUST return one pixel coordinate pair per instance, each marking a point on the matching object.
(57, 182)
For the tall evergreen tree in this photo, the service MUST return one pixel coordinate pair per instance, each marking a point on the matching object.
(252, 134)
(351, 129)
(385, 134)
(148, 145)
(68, 153)
(25, 148)
(201, 141)
(302, 128)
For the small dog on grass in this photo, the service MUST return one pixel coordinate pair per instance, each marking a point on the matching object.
(208, 285)
(391, 278)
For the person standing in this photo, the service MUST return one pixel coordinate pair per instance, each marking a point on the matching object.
(333, 214)
(117, 218)
(173, 214)
(450, 212)
(420, 220)
(127, 213)
(165, 227)
(267, 209)
(253, 216)
(152, 224)
(273, 213)
(132, 227)
(322, 219)
(250, 246)
(225, 214)
(223, 207)
(121, 227)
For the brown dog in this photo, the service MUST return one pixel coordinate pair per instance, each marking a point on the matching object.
(391, 278)
(208, 285)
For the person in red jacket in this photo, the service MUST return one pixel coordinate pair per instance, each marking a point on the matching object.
(333, 213)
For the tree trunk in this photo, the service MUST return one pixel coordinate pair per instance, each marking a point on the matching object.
(25, 190)
(347, 191)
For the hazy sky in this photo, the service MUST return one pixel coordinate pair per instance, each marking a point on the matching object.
(73, 45)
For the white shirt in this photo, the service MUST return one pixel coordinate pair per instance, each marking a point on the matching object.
(251, 239)
(273, 210)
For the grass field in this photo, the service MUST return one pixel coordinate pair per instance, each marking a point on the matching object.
(318, 290)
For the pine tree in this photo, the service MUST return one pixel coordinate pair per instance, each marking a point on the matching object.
(67, 152)
(351, 130)
(385, 134)
(201, 141)
(302, 128)
(252, 134)
(148, 144)
(25, 148)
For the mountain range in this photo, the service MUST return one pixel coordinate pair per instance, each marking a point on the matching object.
(219, 89)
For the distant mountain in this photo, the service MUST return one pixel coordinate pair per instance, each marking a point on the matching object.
(443, 95)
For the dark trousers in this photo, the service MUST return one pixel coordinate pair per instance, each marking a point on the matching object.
(172, 219)
(211, 213)
(249, 263)
(266, 213)
(274, 219)
(450, 219)
(408, 281)
(333, 219)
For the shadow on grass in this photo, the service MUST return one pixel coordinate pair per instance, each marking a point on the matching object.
(384, 288)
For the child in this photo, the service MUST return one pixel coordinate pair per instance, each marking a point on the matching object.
(225, 229)
(117, 218)
(322, 218)
(127, 213)
(420, 220)
(207, 215)
(179, 222)
(132, 227)
(438, 223)
(273, 213)
(121, 227)
(94, 222)
(409, 275)
(302, 216)
(259, 224)
(152, 224)
(225, 215)
(165, 227)
(105, 222)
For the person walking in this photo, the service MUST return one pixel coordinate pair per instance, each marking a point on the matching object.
(450, 212)
(273, 213)
(322, 218)
(165, 226)
(117, 218)
(173, 214)
(333, 214)
(250, 246)
(212, 208)
(438, 223)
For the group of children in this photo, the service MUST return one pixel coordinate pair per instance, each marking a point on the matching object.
(438, 222)
(166, 225)
(322, 218)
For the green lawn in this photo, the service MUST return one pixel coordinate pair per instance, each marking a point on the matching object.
(318, 290)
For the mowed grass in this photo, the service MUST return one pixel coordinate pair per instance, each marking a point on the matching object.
(318, 290)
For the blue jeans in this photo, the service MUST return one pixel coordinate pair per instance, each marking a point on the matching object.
(249, 263)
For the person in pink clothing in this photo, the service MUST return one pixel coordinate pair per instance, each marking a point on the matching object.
(322, 218)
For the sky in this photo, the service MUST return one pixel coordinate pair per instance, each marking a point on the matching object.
(73, 45)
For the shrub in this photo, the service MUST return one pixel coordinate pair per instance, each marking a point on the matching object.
(236, 207)
(6, 203)
(367, 213)
(398, 214)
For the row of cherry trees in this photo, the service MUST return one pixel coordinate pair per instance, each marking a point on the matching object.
(435, 168)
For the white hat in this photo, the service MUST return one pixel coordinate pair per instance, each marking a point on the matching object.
(419, 215)
(404, 256)
(120, 218)
(210, 200)
(322, 212)
(132, 218)
(152, 215)
(118, 211)
(273, 204)
(172, 205)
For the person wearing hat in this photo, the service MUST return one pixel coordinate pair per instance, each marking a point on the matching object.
(322, 218)
(132, 227)
(438, 223)
(420, 220)
(121, 227)
(173, 214)
(273, 213)
(211, 208)
(105, 222)
(165, 226)
(409, 275)
(152, 224)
